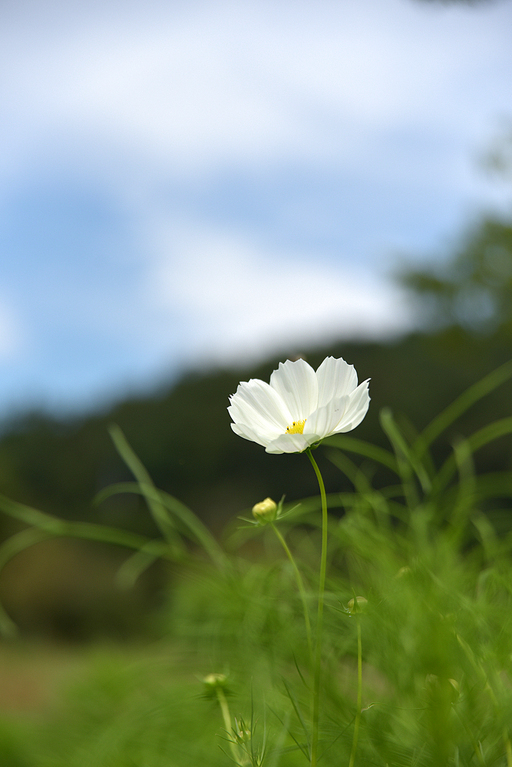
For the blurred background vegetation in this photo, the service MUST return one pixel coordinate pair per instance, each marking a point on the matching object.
(66, 589)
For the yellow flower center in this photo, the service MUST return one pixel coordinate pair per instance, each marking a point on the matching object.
(297, 427)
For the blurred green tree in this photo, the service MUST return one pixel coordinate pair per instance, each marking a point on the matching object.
(472, 289)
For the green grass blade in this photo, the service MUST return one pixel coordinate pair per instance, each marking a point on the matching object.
(407, 460)
(133, 567)
(477, 440)
(191, 525)
(44, 526)
(54, 526)
(468, 398)
(350, 470)
(466, 486)
(162, 519)
(366, 449)
(298, 713)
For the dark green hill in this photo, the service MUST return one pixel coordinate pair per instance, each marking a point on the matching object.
(184, 439)
(67, 589)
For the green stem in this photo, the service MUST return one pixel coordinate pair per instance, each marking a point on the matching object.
(508, 747)
(300, 586)
(359, 693)
(227, 723)
(317, 663)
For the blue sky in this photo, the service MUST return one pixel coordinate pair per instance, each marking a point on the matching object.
(184, 184)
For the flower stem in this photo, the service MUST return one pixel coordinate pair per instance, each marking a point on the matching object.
(317, 662)
(508, 747)
(227, 722)
(300, 586)
(359, 693)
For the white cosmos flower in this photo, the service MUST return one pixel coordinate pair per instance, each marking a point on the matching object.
(300, 406)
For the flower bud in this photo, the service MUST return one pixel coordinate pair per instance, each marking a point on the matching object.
(265, 511)
(242, 731)
(212, 681)
(357, 605)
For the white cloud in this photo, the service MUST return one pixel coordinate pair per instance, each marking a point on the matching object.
(237, 301)
(205, 85)
(161, 104)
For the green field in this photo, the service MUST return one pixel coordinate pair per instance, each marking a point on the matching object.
(420, 675)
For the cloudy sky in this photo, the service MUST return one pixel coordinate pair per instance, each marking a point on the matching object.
(185, 182)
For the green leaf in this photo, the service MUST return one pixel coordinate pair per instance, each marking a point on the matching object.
(468, 398)
(353, 445)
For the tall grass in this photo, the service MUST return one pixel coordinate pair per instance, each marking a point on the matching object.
(417, 622)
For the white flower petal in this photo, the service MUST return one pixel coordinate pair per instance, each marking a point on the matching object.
(359, 402)
(246, 416)
(289, 443)
(296, 382)
(247, 433)
(258, 405)
(335, 378)
(324, 421)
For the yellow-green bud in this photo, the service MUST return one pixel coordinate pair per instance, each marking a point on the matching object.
(265, 511)
(357, 605)
(241, 731)
(212, 681)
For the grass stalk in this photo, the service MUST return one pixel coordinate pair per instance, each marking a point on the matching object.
(226, 717)
(359, 694)
(300, 586)
(317, 661)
